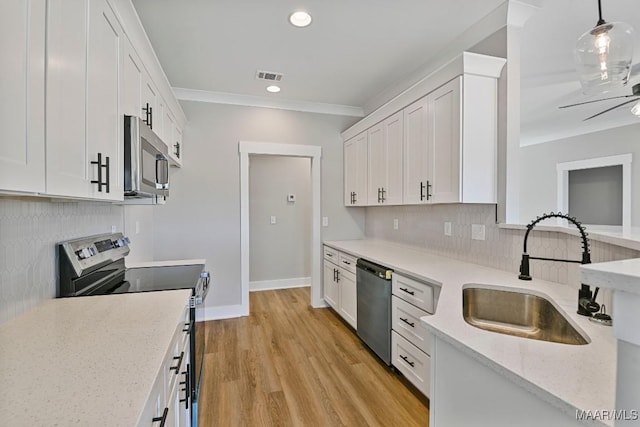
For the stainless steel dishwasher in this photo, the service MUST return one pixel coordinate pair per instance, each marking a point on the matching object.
(373, 284)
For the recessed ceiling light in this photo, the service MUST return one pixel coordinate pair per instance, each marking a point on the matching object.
(300, 18)
(273, 89)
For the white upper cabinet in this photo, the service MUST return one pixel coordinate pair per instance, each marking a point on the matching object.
(173, 138)
(66, 131)
(22, 44)
(416, 152)
(355, 170)
(84, 127)
(385, 161)
(441, 148)
(149, 101)
(444, 143)
(104, 121)
(132, 82)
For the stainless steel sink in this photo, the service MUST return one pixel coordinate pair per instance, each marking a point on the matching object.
(521, 314)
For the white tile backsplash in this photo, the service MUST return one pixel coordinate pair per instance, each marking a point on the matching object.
(29, 230)
(423, 226)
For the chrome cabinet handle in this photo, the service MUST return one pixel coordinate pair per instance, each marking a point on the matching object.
(406, 359)
(407, 291)
(413, 325)
(384, 195)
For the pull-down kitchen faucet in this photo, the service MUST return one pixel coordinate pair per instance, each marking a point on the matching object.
(586, 301)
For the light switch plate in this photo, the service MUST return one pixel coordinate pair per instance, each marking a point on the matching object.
(447, 229)
(273, 219)
(325, 221)
(477, 231)
(395, 223)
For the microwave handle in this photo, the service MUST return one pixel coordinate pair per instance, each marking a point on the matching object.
(162, 172)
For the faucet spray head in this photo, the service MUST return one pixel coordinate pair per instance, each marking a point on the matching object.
(524, 268)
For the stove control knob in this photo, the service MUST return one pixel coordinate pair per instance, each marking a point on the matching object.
(92, 251)
(87, 253)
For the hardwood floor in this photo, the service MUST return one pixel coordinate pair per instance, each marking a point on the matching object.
(290, 364)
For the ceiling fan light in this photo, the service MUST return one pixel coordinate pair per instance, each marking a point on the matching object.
(603, 57)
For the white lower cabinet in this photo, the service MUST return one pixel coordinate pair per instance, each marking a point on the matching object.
(414, 364)
(340, 284)
(169, 402)
(410, 340)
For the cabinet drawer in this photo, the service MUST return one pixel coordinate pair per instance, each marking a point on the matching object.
(417, 293)
(348, 262)
(155, 403)
(331, 254)
(405, 320)
(413, 363)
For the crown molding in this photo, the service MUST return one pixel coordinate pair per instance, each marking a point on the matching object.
(266, 102)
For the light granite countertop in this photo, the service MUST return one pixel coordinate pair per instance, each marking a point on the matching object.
(553, 372)
(88, 361)
(623, 275)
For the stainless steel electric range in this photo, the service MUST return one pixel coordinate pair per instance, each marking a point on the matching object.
(95, 266)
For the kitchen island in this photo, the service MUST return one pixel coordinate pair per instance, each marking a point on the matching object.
(556, 380)
(89, 361)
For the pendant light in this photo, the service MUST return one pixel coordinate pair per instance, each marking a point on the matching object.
(603, 56)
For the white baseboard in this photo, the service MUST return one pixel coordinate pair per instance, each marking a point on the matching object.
(268, 285)
(225, 312)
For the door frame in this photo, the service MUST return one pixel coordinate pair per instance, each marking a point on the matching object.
(247, 148)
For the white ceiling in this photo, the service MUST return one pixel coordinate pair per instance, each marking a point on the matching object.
(355, 49)
(549, 78)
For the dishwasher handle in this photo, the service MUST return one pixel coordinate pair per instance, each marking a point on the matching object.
(373, 268)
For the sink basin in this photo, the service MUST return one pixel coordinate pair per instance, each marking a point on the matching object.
(518, 313)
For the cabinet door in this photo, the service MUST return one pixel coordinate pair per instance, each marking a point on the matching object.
(393, 132)
(104, 121)
(348, 296)
(444, 134)
(149, 100)
(132, 82)
(416, 152)
(66, 131)
(355, 170)
(377, 167)
(331, 291)
(173, 138)
(22, 43)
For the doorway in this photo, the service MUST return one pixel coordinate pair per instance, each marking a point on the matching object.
(314, 153)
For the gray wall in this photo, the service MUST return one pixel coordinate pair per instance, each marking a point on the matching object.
(538, 174)
(29, 230)
(202, 218)
(281, 250)
(595, 195)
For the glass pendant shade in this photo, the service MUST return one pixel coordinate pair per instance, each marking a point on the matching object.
(603, 57)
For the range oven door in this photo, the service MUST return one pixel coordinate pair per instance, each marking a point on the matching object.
(198, 342)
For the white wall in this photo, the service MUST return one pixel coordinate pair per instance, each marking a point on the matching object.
(280, 250)
(538, 176)
(202, 217)
(139, 227)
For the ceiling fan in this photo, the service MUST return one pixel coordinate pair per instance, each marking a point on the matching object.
(635, 96)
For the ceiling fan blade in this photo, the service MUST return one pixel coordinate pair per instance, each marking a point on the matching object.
(595, 100)
(609, 109)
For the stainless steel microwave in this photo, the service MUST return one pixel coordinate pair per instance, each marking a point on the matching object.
(146, 167)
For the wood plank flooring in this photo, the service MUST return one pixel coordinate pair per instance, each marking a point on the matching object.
(288, 364)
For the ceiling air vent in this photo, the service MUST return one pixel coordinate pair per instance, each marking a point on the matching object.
(269, 76)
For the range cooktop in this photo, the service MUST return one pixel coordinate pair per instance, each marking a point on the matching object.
(147, 279)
